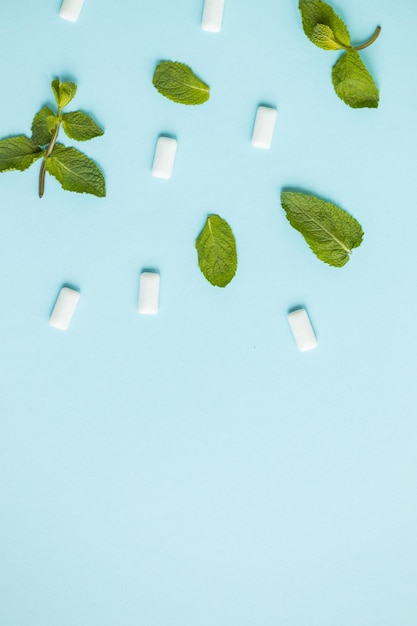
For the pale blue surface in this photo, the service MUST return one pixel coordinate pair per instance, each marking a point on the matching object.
(194, 469)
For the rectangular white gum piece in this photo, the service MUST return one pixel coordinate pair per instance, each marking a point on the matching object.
(164, 159)
(302, 330)
(149, 293)
(264, 127)
(212, 16)
(64, 308)
(71, 9)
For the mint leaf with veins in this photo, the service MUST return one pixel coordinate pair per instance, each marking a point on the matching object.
(43, 126)
(351, 80)
(75, 171)
(216, 249)
(330, 232)
(18, 153)
(80, 126)
(178, 82)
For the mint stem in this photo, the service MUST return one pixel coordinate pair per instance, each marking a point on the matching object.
(48, 153)
(370, 41)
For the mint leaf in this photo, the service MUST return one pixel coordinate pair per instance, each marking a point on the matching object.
(75, 172)
(177, 82)
(353, 83)
(330, 232)
(63, 92)
(323, 37)
(18, 153)
(43, 126)
(314, 12)
(216, 248)
(80, 126)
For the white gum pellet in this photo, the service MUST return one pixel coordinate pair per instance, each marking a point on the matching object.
(302, 330)
(71, 9)
(164, 159)
(64, 308)
(212, 16)
(149, 293)
(264, 127)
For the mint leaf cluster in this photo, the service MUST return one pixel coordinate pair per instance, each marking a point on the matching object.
(351, 80)
(330, 232)
(178, 82)
(72, 169)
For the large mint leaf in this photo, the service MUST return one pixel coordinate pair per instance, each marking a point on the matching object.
(18, 153)
(178, 82)
(80, 126)
(216, 248)
(330, 232)
(43, 126)
(314, 13)
(75, 171)
(63, 92)
(353, 83)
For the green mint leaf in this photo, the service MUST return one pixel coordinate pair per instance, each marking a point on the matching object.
(330, 232)
(177, 82)
(75, 171)
(323, 37)
(63, 92)
(216, 248)
(18, 153)
(80, 126)
(314, 12)
(43, 126)
(353, 83)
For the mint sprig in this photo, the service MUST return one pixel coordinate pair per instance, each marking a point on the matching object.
(216, 249)
(351, 80)
(330, 232)
(73, 169)
(178, 82)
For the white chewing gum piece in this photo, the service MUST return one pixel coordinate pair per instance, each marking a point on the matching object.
(149, 293)
(71, 9)
(302, 330)
(64, 308)
(164, 159)
(212, 16)
(264, 127)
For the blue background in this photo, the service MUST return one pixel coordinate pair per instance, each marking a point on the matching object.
(194, 468)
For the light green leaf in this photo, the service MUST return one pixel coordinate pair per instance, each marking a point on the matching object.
(43, 126)
(353, 83)
(63, 92)
(216, 248)
(330, 232)
(323, 37)
(314, 12)
(75, 171)
(80, 126)
(177, 82)
(18, 153)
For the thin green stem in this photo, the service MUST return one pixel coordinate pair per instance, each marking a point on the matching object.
(370, 41)
(48, 153)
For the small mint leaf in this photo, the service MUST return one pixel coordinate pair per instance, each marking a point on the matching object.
(18, 153)
(178, 82)
(43, 126)
(353, 83)
(216, 249)
(323, 37)
(63, 92)
(75, 171)
(330, 232)
(314, 12)
(80, 126)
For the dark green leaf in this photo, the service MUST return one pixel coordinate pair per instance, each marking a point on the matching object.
(177, 82)
(43, 126)
(353, 83)
(75, 171)
(216, 248)
(80, 126)
(18, 153)
(330, 232)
